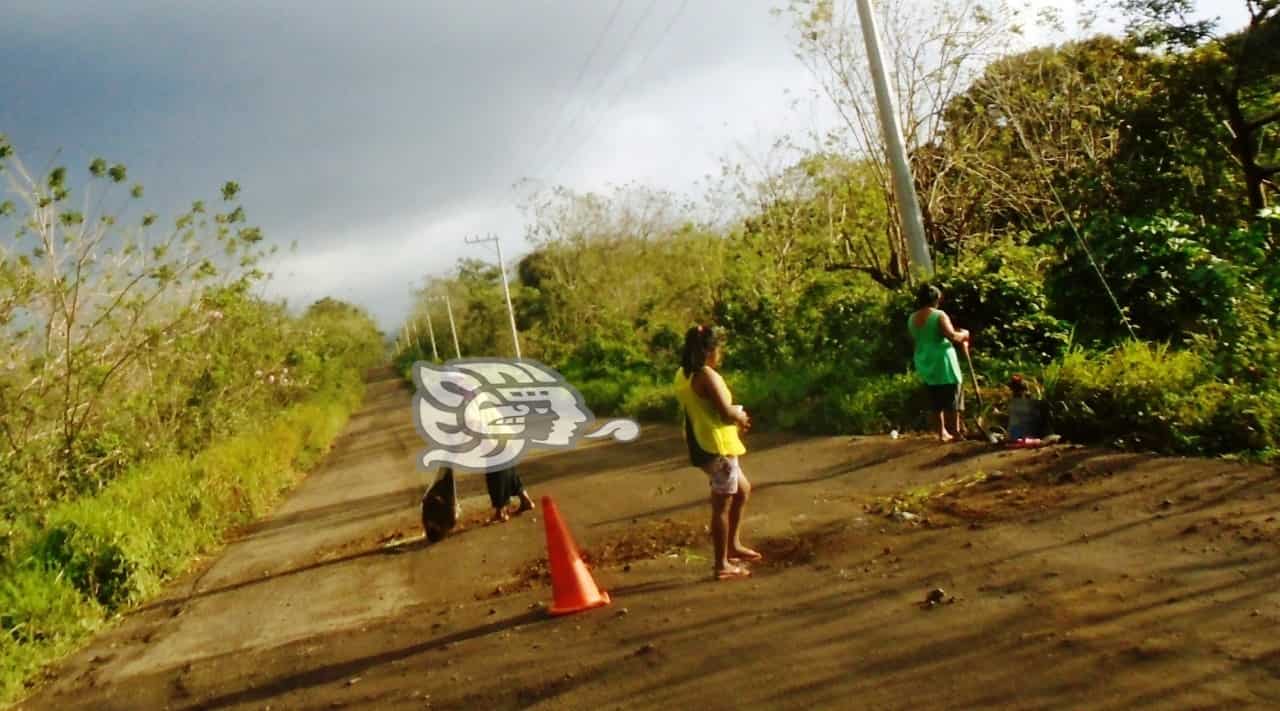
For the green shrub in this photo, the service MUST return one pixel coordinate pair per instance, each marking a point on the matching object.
(877, 404)
(998, 298)
(402, 361)
(757, 328)
(652, 403)
(1164, 275)
(604, 397)
(41, 606)
(1127, 392)
(98, 554)
(841, 321)
(598, 358)
(776, 399)
(43, 617)
(830, 400)
(1154, 397)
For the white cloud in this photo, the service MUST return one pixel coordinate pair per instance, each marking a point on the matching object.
(379, 267)
(378, 137)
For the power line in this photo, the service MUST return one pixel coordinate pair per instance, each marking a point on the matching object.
(582, 73)
(604, 79)
(1040, 164)
(625, 86)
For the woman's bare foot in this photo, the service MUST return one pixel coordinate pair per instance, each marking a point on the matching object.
(732, 572)
(526, 503)
(499, 516)
(738, 554)
(945, 437)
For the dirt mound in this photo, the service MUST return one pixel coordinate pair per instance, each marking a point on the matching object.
(1037, 484)
(804, 547)
(668, 537)
(1240, 526)
(642, 541)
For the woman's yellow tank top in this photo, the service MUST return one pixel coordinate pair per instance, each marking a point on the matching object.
(711, 432)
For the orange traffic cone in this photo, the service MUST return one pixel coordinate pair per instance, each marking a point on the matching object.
(571, 583)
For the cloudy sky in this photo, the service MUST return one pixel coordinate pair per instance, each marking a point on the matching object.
(379, 134)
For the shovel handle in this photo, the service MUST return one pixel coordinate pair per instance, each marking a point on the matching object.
(972, 374)
(976, 391)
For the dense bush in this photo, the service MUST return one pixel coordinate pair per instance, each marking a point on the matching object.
(100, 553)
(44, 617)
(651, 402)
(1154, 397)
(1165, 277)
(759, 329)
(605, 396)
(1004, 305)
(149, 399)
(814, 399)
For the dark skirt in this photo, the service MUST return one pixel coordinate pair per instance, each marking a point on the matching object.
(503, 484)
(440, 506)
(946, 397)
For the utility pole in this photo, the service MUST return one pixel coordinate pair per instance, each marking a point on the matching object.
(506, 291)
(903, 185)
(431, 333)
(448, 305)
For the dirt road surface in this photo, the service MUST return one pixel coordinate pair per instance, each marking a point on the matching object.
(1074, 578)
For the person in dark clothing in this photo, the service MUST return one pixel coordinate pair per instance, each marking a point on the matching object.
(440, 509)
(504, 484)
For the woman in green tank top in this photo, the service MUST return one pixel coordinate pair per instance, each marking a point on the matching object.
(935, 358)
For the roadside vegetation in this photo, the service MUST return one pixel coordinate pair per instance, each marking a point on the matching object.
(1101, 213)
(150, 399)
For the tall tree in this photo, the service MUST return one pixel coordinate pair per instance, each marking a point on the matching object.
(617, 265)
(1240, 70)
(1040, 133)
(933, 50)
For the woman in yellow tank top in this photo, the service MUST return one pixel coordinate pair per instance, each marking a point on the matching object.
(712, 424)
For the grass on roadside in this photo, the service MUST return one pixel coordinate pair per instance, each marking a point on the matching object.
(95, 556)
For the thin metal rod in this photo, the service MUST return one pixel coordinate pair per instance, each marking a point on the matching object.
(448, 305)
(506, 289)
(431, 333)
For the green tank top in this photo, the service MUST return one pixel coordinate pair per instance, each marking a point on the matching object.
(936, 360)
(711, 433)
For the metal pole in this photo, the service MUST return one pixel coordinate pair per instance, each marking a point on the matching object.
(511, 313)
(506, 290)
(904, 187)
(448, 305)
(431, 332)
